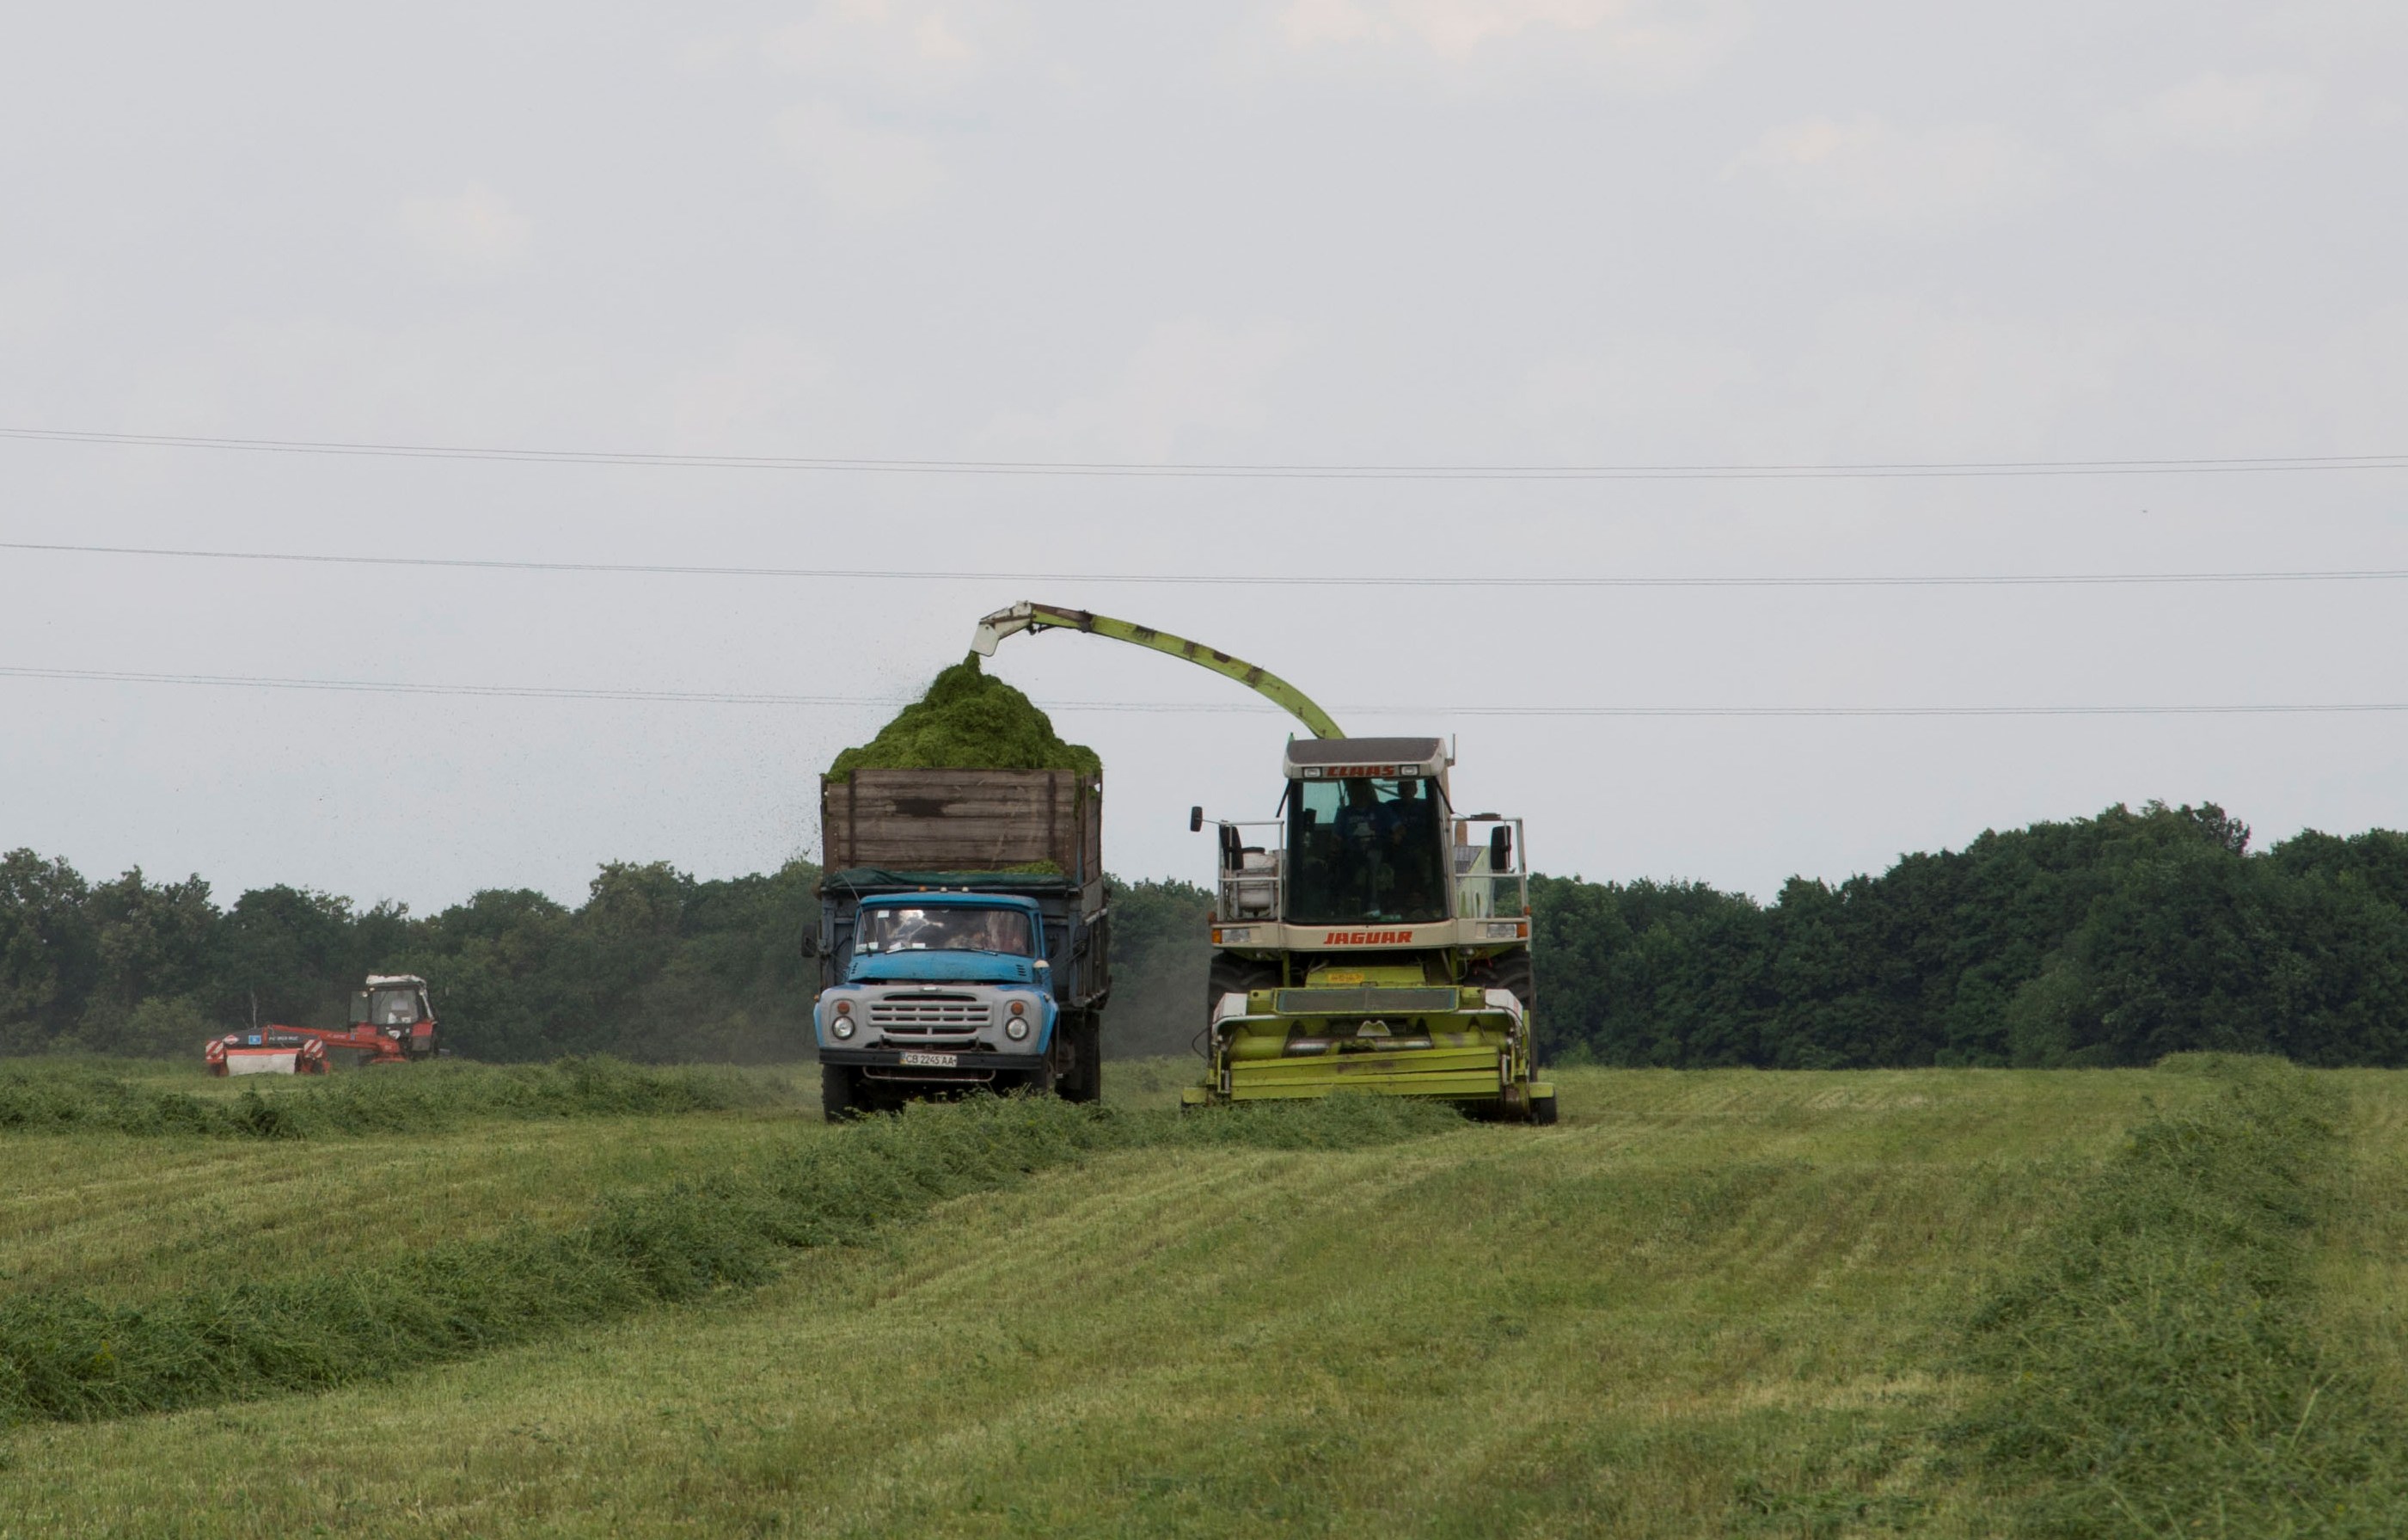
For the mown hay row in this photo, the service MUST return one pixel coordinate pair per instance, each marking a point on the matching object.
(69, 1358)
(38, 1098)
(2154, 1370)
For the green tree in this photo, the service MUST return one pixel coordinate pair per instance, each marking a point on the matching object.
(50, 954)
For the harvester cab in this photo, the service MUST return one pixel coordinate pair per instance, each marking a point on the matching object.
(1370, 937)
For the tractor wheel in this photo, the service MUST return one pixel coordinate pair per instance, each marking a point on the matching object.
(1084, 1035)
(840, 1092)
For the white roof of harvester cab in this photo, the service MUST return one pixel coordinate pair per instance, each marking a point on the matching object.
(394, 981)
(1312, 757)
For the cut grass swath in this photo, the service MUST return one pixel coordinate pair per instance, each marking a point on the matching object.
(2155, 1369)
(69, 1097)
(67, 1357)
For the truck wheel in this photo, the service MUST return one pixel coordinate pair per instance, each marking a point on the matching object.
(839, 1091)
(1086, 1080)
(1041, 1079)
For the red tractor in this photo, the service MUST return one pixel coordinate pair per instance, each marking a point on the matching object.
(391, 1024)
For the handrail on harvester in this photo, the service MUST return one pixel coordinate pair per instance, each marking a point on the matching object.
(1047, 617)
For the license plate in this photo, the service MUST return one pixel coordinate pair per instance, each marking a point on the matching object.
(932, 1062)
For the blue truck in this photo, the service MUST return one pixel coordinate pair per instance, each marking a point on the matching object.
(964, 938)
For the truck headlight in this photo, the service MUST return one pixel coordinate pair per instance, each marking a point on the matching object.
(1016, 1028)
(841, 1027)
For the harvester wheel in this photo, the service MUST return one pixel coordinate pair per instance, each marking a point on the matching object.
(839, 1091)
(1083, 1034)
(1232, 975)
(1542, 1111)
(1509, 972)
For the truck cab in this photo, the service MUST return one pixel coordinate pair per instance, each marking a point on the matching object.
(937, 992)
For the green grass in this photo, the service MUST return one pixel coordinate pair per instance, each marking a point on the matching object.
(67, 1356)
(75, 1096)
(1705, 1304)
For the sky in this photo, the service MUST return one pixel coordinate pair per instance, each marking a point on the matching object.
(1318, 233)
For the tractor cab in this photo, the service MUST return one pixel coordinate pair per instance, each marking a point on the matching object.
(394, 1005)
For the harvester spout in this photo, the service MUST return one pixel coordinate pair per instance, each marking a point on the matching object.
(1026, 616)
(1003, 623)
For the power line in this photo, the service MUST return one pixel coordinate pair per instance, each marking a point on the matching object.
(738, 697)
(1771, 471)
(1968, 580)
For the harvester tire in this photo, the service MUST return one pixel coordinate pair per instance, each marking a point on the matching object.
(1542, 1111)
(1509, 972)
(839, 1091)
(1083, 1034)
(1231, 975)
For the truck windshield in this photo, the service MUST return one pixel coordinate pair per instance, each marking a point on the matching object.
(944, 928)
(1363, 850)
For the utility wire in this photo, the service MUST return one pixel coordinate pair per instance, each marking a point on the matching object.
(835, 574)
(1859, 471)
(739, 698)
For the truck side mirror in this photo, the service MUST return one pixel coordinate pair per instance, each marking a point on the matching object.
(1500, 848)
(812, 941)
(1195, 819)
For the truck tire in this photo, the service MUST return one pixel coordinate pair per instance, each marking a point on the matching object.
(839, 1091)
(1041, 1080)
(1084, 1035)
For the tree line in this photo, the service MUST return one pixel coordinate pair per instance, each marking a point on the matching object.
(2112, 939)
(654, 965)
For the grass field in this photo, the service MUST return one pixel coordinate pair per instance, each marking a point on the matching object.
(1704, 1305)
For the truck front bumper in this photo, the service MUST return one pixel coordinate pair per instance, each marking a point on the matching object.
(937, 1066)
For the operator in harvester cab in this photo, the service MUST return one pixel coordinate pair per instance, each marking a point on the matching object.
(1358, 821)
(1409, 848)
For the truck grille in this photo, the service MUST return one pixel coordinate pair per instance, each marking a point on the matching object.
(930, 1014)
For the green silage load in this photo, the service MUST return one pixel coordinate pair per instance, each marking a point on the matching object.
(968, 721)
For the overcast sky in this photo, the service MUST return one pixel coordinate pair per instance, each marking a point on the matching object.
(1326, 232)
